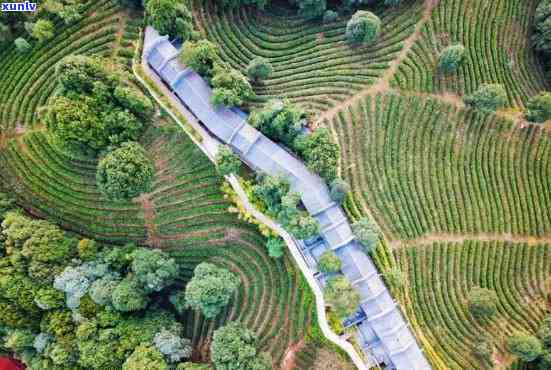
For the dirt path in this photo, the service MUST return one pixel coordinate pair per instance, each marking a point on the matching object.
(461, 238)
(383, 83)
(153, 238)
(289, 359)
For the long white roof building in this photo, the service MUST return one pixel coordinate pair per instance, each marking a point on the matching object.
(382, 330)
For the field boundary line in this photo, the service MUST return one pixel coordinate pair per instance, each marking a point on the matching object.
(462, 238)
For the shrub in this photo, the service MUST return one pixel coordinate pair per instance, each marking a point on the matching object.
(538, 108)
(227, 162)
(329, 262)
(451, 57)
(339, 190)
(367, 232)
(526, 347)
(488, 98)
(341, 296)
(276, 247)
(482, 302)
(311, 9)
(259, 69)
(125, 172)
(330, 16)
(363, 28)
(22, 45)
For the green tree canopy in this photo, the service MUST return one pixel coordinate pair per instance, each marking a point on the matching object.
(341, 296)
(367, 232)
(329, 262)
(259, 69)
(451, 57)
(482, 302)
(154, 269)
(544, 331)
(145, 357)
(526, 347)
(22, 45)
(210, 289)
(129, 295)
(363, 28)
(125, 172)
(311, 9)
(170, 17)
(279, 120)
(230, 87)
(43, 30)
(227, 162)
(339, 190)
(538, 108)
(95, 108)
(488, 98)
(236, 348)
(201, 56)
(320, 152)
(276, 247)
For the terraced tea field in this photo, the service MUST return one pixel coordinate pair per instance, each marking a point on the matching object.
(426, 167)
(439, 277)
(312, 63)
(496, 37)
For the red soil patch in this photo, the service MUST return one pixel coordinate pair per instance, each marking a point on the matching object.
(289, 360)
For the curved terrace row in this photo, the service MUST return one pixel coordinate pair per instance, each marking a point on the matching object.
(382, 330)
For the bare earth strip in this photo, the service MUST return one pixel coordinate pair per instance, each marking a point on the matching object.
(461, 238)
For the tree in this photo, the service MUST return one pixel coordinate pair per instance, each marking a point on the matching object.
(330, 16)
(210, 289)
(230, 87)
(43, 30)
(339, 190)
(271, 190)
(193, 366)
(172, 345)
(482, 302)
(320, 152)
(451, 57)
(545, 361)
(227, 162)
(544, 331)
(125, 172)
(22, 45)
(279, 120)
(154, 269)
(276, 247)
(538, 108)
(129, 296)
(341, 296)
(363, 28)
(483, 349)
(235, 348)
(95, 108)
(201, 56)
(311, 9)
(101, 291)
(367, 232)
(541, 38)
(488, 98)
(329, 262)
(526, 347)
(259, 69)
(303, 226)
(145, 357)
(170, 17)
